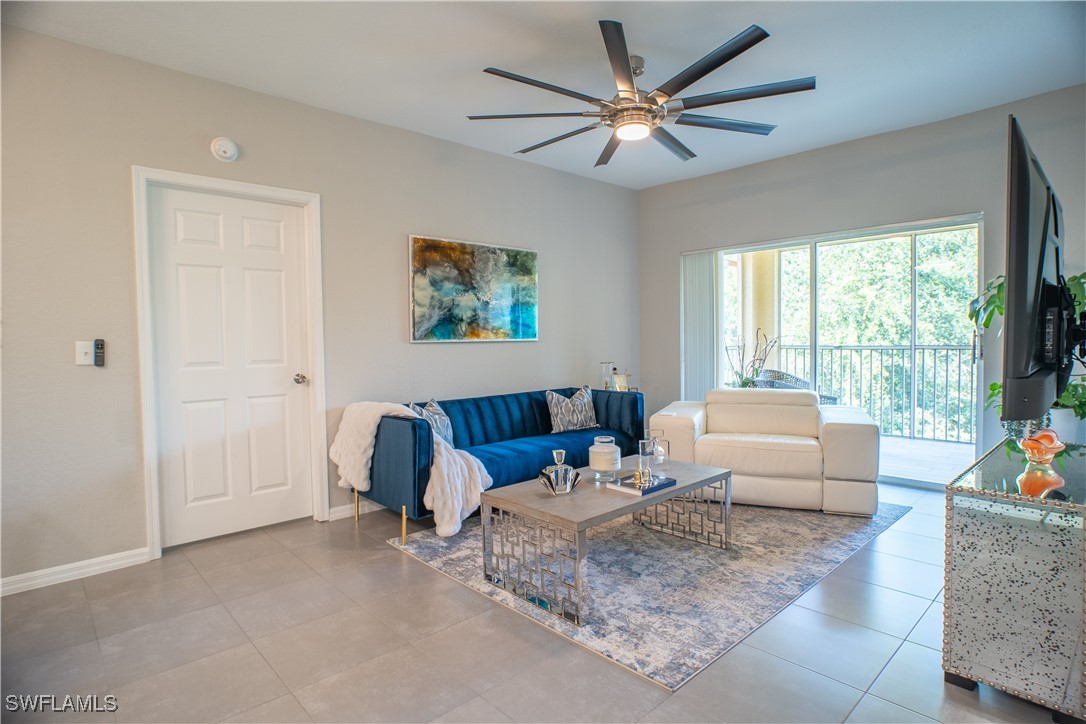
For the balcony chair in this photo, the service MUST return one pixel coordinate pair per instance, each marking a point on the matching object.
(777, 380)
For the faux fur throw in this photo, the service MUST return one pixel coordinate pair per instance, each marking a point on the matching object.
(456, 477)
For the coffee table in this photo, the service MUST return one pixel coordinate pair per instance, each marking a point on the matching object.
(535, 545)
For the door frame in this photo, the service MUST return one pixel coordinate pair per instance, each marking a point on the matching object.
(143, 179)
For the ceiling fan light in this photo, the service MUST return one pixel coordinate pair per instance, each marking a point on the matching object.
(633, 130)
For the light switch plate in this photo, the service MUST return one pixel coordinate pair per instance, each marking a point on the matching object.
(84, 353)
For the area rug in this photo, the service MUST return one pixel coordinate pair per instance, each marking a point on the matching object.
(664, 607)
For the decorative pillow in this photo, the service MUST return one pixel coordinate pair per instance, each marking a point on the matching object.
(572, 413)
(437, 418)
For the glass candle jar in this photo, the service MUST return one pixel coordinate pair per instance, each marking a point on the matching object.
(604, 458)
(662, 456)
(646, 454)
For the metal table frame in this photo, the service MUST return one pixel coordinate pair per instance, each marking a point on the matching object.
(541, 557)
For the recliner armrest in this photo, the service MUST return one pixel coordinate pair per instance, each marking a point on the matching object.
(850, 443)
(683, 423)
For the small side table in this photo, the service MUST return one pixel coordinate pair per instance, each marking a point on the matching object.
(1014, 612)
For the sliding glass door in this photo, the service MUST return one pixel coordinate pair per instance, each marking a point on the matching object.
(872, 320)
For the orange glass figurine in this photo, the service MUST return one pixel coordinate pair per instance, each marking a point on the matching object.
(1040, 478)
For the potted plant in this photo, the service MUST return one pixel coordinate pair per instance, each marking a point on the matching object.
(1069, 410)
(746, 372)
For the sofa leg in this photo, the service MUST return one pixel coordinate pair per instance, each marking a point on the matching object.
(403, 525)
(355, 494)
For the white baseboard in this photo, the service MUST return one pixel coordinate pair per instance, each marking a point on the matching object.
(82, 569)
(72, 571)
(347, 511)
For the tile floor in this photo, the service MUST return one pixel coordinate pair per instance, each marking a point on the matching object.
(325, 622)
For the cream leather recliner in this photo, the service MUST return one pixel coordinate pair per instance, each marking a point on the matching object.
(782, 448)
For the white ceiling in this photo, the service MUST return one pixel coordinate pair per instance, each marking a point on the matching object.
(881, 66)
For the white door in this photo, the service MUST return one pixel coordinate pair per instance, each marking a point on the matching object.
(229, 340)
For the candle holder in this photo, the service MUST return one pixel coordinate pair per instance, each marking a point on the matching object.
(604, 458)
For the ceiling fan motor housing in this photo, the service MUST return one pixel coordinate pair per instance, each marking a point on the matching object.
(631, 112)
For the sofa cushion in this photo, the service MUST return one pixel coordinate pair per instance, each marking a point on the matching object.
(772, 412)
(778, 456)
(437, 418)
(514, 461)
(572, 413)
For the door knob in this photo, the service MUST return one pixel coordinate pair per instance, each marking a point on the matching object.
(300, 379)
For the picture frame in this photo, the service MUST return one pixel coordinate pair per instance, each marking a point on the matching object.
(620, 382)
(464, 291)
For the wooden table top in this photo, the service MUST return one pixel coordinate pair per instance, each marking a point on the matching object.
(592, 503)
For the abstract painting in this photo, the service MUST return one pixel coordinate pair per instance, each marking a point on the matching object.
(464, 292)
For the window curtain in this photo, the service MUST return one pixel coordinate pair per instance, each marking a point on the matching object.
(699, 329)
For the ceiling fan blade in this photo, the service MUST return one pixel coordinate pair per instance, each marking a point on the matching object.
(556, 139)
(723, 124)
(609, 150)
(531, 115)
(545, 86)
(672, 144)
(619, 55)
(745, 94)
(739, 44)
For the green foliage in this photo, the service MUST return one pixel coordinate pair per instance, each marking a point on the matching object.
(994, 397)
(1074, 397)
(795, 291)
(747, 371)
(870, 284)
(1077, 286)
(991, 302)
(865, 298)
(865, 290)
(946, 278)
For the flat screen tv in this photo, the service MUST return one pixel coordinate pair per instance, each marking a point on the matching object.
(1038, 326)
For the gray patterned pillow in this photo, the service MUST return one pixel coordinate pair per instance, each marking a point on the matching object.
(437, 418)
(572, 413)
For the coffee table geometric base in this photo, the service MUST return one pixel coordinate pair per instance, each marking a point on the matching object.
(545, 563)
(694, 516)
(537, 561)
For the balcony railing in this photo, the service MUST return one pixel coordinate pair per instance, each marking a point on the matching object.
(926, 391)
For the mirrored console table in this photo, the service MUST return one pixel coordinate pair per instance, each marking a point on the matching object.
(1013, 616)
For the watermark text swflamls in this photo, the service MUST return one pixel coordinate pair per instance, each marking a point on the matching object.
(53, 703)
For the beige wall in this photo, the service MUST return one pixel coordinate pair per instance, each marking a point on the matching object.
(957, 166)
(76, 120)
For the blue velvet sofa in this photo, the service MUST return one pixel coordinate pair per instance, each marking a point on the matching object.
(510, 434)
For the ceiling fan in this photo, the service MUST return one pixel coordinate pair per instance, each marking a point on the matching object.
(634, 114)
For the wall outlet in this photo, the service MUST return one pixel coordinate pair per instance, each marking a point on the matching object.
(84, 353)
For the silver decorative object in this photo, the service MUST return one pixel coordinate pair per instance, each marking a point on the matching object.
(559, 478)
(1021, 429)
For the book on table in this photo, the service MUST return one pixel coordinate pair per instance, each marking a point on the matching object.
(626, 485)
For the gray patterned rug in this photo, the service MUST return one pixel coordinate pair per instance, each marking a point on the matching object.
(664, 607)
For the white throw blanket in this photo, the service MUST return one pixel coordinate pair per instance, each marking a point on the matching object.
(456, 477)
